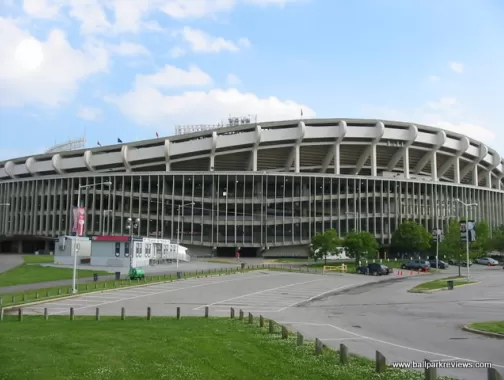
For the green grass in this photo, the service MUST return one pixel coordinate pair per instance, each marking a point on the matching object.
(493, 327)
(291, 260)
(439, 284)
(31, 272)
(166, 348)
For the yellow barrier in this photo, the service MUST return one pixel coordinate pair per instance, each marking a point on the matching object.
(332, 268)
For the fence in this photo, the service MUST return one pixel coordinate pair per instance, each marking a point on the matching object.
(343, 354)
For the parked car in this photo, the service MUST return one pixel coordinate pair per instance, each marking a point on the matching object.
(455, 262)
(487, 261)
(423, 265)
(374, 269)
(442, 264)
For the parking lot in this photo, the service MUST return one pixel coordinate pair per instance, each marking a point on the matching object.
(257, 292)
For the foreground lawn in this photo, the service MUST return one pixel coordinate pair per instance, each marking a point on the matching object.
(31, 272)
(439, 284)
(493, 327)
(166, 348)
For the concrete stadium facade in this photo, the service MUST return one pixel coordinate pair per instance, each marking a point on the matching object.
(267, 188)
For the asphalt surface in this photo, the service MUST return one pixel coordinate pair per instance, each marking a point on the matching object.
(9, 261)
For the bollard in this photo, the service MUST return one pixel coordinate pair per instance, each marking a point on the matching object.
(178, 312)
(492, 374)
(20, 314)
(71, 313)
(37, 295)
(381, 362)
(318, 346)
(47, 293)
(343, 354)
(206, 311)
(148, 313)
(97, 313)
(232, 313)
(285, 332)
(430, 372)
(105, 286)
(59, 291)
(123, 313)
(46, 314)
(13, 299)
(1, 301)
(1, 314)
(250, 318)
(271, 326)
(261, 321)
(87, 287)
(241, 315)
(299, 339)
(24, 297)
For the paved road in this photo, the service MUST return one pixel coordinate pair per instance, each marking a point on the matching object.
(9, 261)
(407, 327)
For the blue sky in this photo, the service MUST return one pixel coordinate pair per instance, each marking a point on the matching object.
(127, 69)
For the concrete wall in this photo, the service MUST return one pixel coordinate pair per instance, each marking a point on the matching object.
(109, 253)
(68, 248)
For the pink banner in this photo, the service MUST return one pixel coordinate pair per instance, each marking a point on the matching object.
(81, 221)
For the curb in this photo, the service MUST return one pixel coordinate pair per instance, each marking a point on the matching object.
(349, 288)
(429, 291)
(481, 332)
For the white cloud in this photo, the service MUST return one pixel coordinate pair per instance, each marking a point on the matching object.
(149, 107)
(129, 49)
(47, 9)
(444, 113)
(457, 67)
(173, 77)
(56, 79)
(201, 42)
(181, 9)
(233, 80)
(434, 78)
(89, 113)
(177, 52)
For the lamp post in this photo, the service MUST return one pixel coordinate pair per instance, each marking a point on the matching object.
(131, 225)
(179, 235)
(466, 207)
(74, 276)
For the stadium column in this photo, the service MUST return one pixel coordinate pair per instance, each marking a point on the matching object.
(333, 155)
(404, 152)
(167, 154)
(440, 139)
(454, 161)
(294, 155)
(212, 151)
(487, 175)
(371, 151)
(252, 166)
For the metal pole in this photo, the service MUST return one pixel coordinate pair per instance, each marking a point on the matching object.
(74, 276)
(178, 236)
(467, 239)
(437, 249)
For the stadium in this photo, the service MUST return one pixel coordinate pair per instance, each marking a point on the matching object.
(265, 188)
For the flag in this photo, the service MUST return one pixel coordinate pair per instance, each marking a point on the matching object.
(301, 112)
(98, 143)
(119, 140)
(157, 135)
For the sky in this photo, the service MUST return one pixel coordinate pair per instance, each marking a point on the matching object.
(128, 69)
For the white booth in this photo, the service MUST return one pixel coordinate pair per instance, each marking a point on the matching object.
(66, 247)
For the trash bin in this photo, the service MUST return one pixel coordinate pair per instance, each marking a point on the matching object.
(242, 265)
(117, 276)
(179, 275)
(95, 277)
(135, 273)
(450, 284)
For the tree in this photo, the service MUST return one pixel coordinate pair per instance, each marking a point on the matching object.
(360, 244)
(452, 245)
(324, 244)
(411, 237)
(497, 241)
(483, 243)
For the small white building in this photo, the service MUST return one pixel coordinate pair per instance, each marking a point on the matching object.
(66, 246)
(120, 251)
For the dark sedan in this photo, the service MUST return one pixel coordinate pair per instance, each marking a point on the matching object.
(442, 264)
(374, 269)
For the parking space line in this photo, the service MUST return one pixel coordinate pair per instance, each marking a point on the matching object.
(178, 289)
(256, 293)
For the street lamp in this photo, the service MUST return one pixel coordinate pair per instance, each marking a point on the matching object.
(131, 225)
(466, 207)
(74, 276)
(178, 227)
